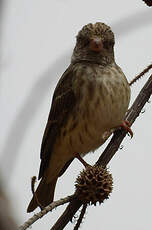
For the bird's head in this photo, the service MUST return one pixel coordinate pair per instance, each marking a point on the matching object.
(94, 43)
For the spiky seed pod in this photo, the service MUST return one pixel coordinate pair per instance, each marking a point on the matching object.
(94, 184)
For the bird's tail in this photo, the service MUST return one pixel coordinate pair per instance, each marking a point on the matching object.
(44, 194)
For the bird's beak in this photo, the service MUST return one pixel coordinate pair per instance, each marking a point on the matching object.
(96, 44)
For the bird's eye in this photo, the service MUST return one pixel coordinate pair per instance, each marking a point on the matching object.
(108, 44)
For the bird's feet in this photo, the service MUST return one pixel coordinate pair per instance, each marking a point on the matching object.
(77, 155)
(126, 126)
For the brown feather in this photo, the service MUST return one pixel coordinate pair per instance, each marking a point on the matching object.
(63, 103)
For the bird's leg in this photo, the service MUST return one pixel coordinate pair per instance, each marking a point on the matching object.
(126, 125)
(77, 155)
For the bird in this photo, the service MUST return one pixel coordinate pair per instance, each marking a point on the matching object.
(89, 103)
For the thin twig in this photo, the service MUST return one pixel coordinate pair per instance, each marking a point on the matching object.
(140, 75)
(47, 209)
(33, 181)
(110, 151)
(83, 210)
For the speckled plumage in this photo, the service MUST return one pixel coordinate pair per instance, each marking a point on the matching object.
(105, 95)
(89, 103)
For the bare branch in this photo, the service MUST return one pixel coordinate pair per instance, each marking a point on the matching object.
(140, 75)
(47, 209)
(83, 210)
(69, 212)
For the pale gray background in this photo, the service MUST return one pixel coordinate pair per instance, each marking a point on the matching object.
(36, 41)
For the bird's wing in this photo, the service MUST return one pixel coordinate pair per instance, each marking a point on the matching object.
(63, 102)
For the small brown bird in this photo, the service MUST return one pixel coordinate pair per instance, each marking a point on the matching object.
(89, 103)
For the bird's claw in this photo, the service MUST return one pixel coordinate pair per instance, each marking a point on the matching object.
(126, 126)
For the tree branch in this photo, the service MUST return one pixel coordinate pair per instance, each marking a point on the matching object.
(140, 74)
(83, 210)
(110, 150)
(47, 209)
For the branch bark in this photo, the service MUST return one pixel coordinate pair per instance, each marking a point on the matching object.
(47, 209)
(83, 210)
(110, 150)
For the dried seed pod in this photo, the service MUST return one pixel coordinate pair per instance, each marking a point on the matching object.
(94, 184)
